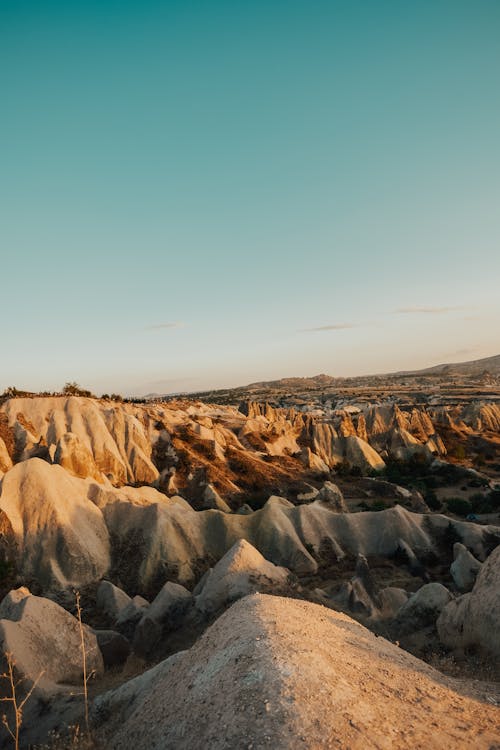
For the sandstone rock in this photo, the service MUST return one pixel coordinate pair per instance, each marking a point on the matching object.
(5, 459)
(464, 568)
(295, 669)
(111, 600)
(115, 648)
(331, 497)
(362, 455)
(44, 640)
(423, 607)
(313, 462)
(474, 618)
(242, 570)
(61, 536)
(212, 499)
(130, 615)
(308, 494)
(392, 598)
(75, 457)
(112, 707)
(164, 614)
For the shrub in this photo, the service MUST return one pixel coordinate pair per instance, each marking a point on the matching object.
(432, 500)
(73, 389)
(459, 506)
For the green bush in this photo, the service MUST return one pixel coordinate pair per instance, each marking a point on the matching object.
(459, 506)
(432, 500)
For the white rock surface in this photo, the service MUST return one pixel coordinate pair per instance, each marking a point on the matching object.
(61, 535)
(241, 571)
(474, 618)
(44, 640)
(464, 568)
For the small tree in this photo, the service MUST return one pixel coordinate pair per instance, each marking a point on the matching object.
(73, 389)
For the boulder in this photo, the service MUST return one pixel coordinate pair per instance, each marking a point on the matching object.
(360, 454)
(422, 608)
(405, 553)
(111, 600)
(331, 497)
(45, 641)
(474, 618)
(164, 614)
(212, 499)
(392, 598)
(115, 648)
(241, 571)
(308, 494)
(130, 615)
(464, 568)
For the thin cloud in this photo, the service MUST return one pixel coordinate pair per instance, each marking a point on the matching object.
(428, 310)
(162, 326)
(334, 327)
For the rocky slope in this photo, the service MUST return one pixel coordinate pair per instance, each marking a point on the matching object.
(164, 514)
(275, 672)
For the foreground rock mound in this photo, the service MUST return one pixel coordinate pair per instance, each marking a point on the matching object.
(281, 673)
(474, 618)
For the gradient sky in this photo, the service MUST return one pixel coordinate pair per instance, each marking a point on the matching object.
(200, 194)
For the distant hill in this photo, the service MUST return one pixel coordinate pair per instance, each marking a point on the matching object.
(473, 367)
(316, 381)
(299, 385)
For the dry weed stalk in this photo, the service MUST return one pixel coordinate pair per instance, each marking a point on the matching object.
(13, 698)
(86, 677)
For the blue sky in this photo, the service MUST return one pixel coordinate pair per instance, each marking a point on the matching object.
(200, 194)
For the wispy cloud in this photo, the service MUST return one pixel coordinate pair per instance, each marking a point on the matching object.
(333, 327)
(428, 310)
(162, 326)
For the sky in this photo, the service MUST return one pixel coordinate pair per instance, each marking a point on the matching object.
(205, 194)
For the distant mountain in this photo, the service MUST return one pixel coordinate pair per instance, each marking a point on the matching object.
(316, 381)
(473, 367)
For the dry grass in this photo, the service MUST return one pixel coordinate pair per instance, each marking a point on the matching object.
(13, 725)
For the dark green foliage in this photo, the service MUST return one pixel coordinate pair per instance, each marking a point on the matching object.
(432, 500)
(459, 506)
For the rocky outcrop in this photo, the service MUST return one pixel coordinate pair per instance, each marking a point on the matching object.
(306, 677)
(75, 457)
(474, 618)
(422, 608)
(5, 459)
(61, 536)
(45, 641)
(241, 571)
(114, 647)
(464, 568)
(72, 531)
(331, 497)
(163, 615)
(111, 600)
(361, 455)
(88, 437)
